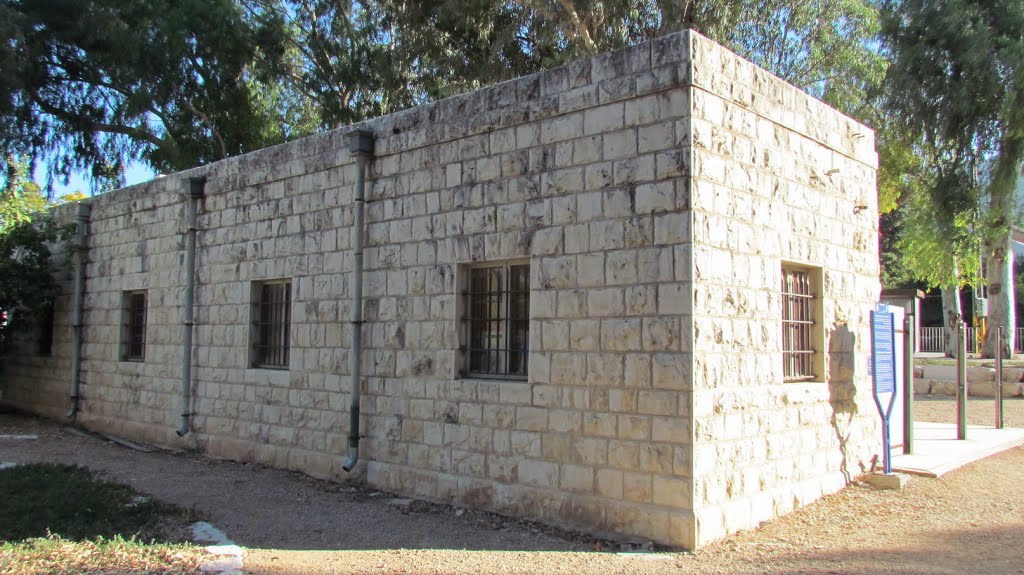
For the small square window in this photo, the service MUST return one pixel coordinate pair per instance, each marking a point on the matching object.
(271, 321)
(802, 345)
(497, 321)
(133, 326)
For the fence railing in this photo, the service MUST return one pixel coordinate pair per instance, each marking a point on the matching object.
(933, 339)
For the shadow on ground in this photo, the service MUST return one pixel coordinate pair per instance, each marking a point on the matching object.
(979, 550)
(268, 508)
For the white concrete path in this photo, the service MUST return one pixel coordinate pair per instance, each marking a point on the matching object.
(937, 450)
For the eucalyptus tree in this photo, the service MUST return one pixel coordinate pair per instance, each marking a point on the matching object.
(957, 78)
(87, 85)
(823, 47)
(931, 202)
(90, 84)
(356, 60)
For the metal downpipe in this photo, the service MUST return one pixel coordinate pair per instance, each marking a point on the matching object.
(361, 145)
(196, 188)
(84, 210)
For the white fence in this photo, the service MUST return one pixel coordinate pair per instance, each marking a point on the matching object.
(933, 339)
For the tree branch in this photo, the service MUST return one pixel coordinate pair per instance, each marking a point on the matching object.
(213, 129)
(132, 132)
(581, 30)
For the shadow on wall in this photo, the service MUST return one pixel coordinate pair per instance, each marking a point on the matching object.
(842, 390)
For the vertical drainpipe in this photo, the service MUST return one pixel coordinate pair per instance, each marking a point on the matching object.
(196, 187)
(84, 210)
(361, 145)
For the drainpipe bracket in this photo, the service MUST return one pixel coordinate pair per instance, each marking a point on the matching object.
(361, 143)
(196, 187)
(84, 210)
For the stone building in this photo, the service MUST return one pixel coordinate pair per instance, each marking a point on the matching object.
(629, 295)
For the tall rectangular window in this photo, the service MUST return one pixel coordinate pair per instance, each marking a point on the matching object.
(133, 326)
(271, 319)
(497, 321)
(44, 343)
(800, 329)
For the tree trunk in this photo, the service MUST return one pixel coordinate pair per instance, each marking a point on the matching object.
(998, 255)
(1001, 297)
(952, 315)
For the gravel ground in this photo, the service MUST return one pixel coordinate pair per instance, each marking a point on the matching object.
(969, 521)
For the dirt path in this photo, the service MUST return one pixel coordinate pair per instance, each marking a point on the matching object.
(970, 521)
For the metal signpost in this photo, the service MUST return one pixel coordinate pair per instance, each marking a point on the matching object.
(961, 382)
(910, 321)
(883, 372)
(999, 378)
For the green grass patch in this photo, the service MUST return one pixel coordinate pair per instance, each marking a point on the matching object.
(71, 502)
(64, 519)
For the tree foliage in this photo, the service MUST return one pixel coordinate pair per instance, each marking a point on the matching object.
(27, 264)
(957, 80)
(20, 197)
(88, 85)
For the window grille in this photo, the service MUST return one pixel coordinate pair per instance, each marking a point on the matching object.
(797, 326)
(271, 321)
(134, 327)
(498, 321)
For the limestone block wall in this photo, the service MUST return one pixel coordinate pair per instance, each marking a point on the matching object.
(581, 170)
(653, 191)
(778, 178)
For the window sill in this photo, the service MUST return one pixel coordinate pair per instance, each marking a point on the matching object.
(473, 377)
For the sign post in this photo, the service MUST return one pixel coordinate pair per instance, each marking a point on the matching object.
(883, 372)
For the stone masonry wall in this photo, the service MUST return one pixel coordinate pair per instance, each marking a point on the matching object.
(582, 170)
(778, 177)
(654, 405)
(576, 169)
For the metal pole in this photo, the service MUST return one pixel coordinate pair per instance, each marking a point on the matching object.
(999, 378)
(961, 382)
(909, 324)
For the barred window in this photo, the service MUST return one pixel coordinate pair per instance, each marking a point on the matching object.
(497, 321)
(271, 319)
(798, 325)
(133, 326)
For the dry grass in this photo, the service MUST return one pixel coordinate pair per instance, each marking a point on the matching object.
(45, 555)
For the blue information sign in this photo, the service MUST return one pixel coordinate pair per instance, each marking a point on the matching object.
(883, 371)
(883, 344)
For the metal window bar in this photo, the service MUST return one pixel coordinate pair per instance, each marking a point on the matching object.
(797, 326)
(498, 321)
(135, 328)
(273, 319)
